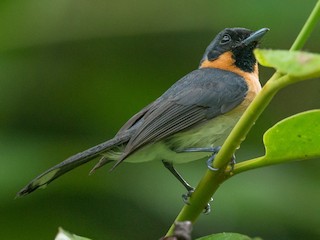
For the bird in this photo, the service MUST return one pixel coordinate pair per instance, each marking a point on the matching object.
(187, 122)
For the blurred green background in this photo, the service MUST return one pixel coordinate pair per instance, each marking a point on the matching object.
(73, 71)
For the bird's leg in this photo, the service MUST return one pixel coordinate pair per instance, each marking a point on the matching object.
(177, 175)
(190, 189)
(214, 151)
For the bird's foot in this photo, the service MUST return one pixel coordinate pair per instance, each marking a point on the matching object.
(214, 151)
(211, 160)
(186, 197)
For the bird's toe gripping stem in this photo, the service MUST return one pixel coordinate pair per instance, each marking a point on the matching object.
(211, 160)
(214, 151)
(186, 196)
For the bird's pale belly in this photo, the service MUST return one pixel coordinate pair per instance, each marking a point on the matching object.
(209, 134)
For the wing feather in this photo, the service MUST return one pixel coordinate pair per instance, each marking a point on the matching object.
(201, 95)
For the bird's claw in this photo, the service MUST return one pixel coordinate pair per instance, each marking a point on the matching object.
(210, 162)
(186, 197)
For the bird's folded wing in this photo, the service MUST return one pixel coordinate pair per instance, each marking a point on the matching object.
(199, 96)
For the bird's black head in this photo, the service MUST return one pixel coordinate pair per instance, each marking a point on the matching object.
(239, 43)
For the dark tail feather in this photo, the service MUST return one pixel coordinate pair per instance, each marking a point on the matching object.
(100, 164)
(70, 163)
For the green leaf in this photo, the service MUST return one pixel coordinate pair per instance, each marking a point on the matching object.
(64, 235)
(227, 236)
(294, 138)
(295, 63)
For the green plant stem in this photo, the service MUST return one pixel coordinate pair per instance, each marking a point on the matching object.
(248, 165)
(308, 27)
(213, 179)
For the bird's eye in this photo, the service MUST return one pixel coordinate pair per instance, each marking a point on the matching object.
(225, 39)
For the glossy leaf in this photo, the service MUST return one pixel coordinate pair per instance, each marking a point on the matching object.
(294, 138)
(295, 63)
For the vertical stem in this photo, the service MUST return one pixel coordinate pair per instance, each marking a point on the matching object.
(307, 28)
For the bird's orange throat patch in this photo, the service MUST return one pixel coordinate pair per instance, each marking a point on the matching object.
(226, 62)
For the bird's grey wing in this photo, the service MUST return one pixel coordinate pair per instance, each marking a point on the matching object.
(201, 95)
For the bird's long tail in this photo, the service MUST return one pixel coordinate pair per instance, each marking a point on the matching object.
(70, 163)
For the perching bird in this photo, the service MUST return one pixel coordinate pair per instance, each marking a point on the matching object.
(197, 112)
